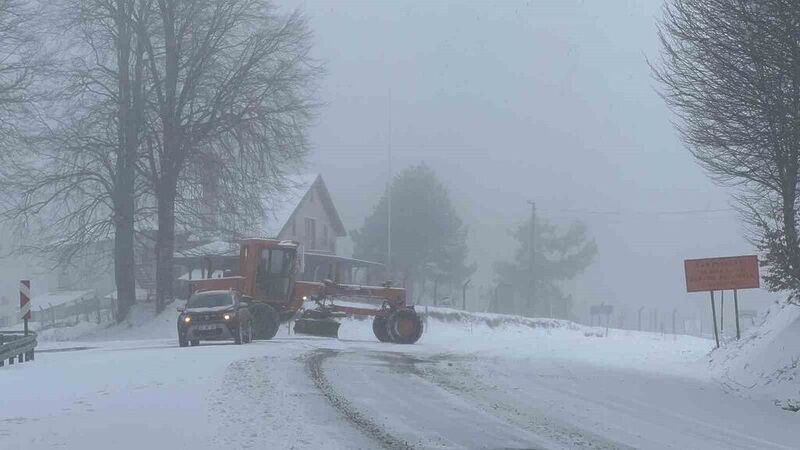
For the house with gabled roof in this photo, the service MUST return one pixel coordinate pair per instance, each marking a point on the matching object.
(304, 212)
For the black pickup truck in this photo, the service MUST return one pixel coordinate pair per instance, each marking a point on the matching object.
(215, 316)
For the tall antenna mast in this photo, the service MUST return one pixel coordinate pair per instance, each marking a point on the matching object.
(389, 195)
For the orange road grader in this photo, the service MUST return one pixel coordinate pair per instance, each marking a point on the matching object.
(267, 280)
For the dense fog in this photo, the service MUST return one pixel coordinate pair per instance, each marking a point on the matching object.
(550, 101)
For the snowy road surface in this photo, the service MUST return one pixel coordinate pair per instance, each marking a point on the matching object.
(458, 388)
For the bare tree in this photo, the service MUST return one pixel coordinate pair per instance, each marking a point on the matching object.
(232, 96)
(74, 185)
(731, 71)
(117, 21)
(21, 59)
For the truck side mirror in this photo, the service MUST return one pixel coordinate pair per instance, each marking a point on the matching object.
(181, 308)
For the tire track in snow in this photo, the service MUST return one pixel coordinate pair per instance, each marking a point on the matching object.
(418, 411)
(314, 361)
(449, 373)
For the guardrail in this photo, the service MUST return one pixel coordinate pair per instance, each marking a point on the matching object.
(17, 345)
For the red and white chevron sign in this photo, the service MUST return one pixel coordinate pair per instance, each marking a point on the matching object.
(25, 299)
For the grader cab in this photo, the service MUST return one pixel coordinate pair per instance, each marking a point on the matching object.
(267, 278)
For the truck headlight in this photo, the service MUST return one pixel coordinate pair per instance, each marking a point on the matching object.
(187, 319)
(226, 316)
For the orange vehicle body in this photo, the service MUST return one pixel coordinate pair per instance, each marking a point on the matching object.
(287, 301)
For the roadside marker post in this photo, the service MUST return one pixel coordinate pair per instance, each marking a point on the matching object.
(25, 302)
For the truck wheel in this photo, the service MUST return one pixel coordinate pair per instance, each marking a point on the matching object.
(380, 329)
(249, 334)
(182, 341)
(195, 342)
(238, 335)
(265, 321)
(404, 326)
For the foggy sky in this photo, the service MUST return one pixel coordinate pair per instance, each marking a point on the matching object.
(511, 101)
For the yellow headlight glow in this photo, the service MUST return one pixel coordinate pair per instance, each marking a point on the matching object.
(187, 319)
(227, 317)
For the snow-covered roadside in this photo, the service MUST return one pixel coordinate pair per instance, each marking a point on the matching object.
(487, 335)
(766, 361)
(142, 324)
(561, 382)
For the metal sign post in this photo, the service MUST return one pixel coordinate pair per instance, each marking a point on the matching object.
(736, 308)
(600, 310)
(641, 308)
(714, 315)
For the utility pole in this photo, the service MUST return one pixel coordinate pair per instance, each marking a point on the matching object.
(493, 304)
(389, 196)
(464, 295)
(436, 291)
(532, 260)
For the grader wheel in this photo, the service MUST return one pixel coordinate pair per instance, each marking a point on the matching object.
(265, 321)
(381, 329)
(404, 326)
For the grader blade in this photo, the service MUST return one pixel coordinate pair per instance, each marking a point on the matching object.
(317, 327)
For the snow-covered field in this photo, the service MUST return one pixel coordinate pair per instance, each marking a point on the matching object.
(473, 381)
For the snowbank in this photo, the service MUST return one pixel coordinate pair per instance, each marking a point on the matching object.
(142, 323)
(766, 361)
(529, 339)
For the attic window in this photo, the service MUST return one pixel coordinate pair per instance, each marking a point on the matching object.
(294, 227)
(311, 196)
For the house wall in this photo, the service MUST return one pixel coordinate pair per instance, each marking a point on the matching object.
(311, 207)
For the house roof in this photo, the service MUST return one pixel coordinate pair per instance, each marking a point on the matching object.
(337, 258)
(282, 208)
(218, 248)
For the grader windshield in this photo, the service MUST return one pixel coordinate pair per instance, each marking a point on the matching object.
(273, 273)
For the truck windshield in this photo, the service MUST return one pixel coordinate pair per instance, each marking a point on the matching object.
(209, 300)
(273, 272)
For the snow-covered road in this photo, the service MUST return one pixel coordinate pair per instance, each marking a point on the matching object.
(458, 388)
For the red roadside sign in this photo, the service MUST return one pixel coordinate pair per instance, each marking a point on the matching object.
(719, 274)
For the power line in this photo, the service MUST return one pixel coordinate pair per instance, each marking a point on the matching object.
(641, 212)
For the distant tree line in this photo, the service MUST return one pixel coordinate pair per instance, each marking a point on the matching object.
(118, 116)
(429, 248)
(534, 288)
